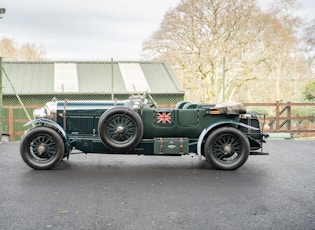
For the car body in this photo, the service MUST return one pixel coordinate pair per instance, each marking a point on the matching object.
(223, 133)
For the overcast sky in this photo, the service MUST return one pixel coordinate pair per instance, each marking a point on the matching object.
(95, 29)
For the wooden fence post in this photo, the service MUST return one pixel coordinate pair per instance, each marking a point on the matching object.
(277, 116)
(289, 116)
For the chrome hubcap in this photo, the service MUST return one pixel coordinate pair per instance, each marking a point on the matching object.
(120, 129)
(41, 149)
(227, 149)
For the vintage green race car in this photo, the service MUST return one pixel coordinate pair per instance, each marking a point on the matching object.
(225, 134)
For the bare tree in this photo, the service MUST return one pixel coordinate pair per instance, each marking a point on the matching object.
(284, 66)
(197, 35)
(11, 50)
(309, 45)
(8, 48)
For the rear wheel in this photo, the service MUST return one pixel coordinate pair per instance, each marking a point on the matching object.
(226, 148)
(42, 148)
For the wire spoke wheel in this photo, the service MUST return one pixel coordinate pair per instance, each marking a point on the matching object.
(42, 148)
(120, 129)
(226, 148)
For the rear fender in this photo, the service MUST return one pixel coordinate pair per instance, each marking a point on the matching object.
(213, 126)
(57, 127)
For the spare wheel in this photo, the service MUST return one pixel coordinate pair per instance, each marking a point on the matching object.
(120, 128)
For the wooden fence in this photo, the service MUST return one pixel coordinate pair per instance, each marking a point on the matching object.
(283, 121)
(12, 122)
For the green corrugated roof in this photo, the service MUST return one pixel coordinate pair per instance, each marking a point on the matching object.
(93, 77)
(28, 78)
(156, 77)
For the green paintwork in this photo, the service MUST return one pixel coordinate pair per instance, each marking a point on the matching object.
(165, 130)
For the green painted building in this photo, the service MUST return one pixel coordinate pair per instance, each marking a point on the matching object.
(38, 82)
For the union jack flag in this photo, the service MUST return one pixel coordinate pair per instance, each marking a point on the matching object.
(164, 117)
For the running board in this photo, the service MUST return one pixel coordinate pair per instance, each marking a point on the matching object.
(258, 153)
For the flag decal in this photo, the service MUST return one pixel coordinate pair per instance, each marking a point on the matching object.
(164, 117)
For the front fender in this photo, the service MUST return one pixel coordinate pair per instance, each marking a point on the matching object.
(57, 127)
(213, 126)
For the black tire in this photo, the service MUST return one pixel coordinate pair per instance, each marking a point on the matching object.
(226, 148)
(120, 129)
(42, 148)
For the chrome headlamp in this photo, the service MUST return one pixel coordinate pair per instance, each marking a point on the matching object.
(40, 113)
(47, 112)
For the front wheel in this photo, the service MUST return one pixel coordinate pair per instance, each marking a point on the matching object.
(226, 148)
(42, 148)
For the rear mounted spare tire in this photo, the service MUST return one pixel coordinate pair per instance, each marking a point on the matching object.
(120, 129)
